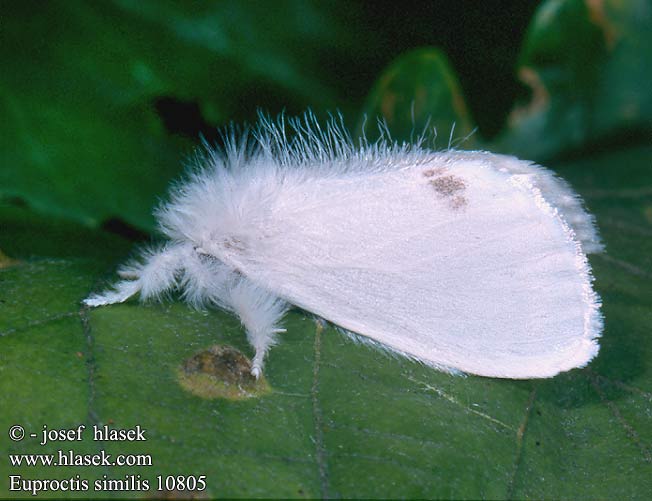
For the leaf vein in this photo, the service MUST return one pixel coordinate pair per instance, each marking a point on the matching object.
(37, 323)
(320, 453)
(453, 400)
(621, 385)
(615, 411)
(630, 268)
(520, 434)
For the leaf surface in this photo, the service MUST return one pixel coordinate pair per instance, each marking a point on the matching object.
(339, 419)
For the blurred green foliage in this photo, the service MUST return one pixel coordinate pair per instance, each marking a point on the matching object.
(102, 101)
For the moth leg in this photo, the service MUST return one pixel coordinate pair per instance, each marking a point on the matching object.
(260, 312)
(156, 274)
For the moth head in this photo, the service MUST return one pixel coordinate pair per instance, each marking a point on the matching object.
(218, 213)
(228, 249)
(198, 224)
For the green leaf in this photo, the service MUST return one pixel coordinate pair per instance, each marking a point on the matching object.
(582, 62)
(82, 142)
(81, 83)
(339, 419)
(418, 94)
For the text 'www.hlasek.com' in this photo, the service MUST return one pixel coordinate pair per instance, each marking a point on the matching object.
(29, 471)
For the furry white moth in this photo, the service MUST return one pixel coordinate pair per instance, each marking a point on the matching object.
(465, 261)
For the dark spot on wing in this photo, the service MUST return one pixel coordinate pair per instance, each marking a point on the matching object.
(458, 202)
(435, 171)
(449, 187)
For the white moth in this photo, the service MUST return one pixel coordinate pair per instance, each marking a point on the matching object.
(466, 261)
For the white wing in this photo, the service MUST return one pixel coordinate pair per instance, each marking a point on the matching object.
(459, 262)
(557, 193)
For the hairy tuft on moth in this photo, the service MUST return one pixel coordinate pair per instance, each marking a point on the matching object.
(466, 261)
